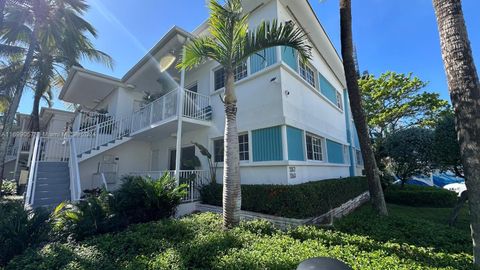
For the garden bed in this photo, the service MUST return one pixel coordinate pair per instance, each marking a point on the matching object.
(198, 242)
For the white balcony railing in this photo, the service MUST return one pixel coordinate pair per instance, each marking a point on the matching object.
(98, 130)
(194, 179)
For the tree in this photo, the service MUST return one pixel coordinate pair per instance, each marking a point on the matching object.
(446, 150)
(464, 87)
(409, 152)
(230, 44)
(370, 164)
(26, 26)
(393, 101)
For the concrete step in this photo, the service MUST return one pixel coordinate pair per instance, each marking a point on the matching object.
(65, 174)
(52, 166)
(52, 187)
(39, 202)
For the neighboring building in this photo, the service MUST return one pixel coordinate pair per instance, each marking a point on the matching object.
(294, 121)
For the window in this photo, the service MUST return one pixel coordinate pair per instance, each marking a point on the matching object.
(219, 78)
(243, 147)
(359, 157)
(314, 147)
(218, 150)
(307, 73)
(339, 101)
(218, 147)
(240, 71)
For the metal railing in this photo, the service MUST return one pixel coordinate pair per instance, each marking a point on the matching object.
(29, 196)
(110, 128)
(75, 183)
(197, 106)
(194, 179)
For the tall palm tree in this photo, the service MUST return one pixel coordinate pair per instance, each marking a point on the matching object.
(30, 23)
(351, 76)
(464, 87)
(230, 44)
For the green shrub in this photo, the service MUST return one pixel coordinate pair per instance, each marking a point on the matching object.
(420, 196)
(9, 187)
(138, 200)
(198, 242)
(88, 217)
(144, 199)
(295, 201)
(20, 229)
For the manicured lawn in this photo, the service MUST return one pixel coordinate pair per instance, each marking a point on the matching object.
(197, 242)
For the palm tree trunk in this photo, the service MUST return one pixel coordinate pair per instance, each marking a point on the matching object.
(464, 87)
(34, 116)
(12, 110)
(231, 168)
(372, 172)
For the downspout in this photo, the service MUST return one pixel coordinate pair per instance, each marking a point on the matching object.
(348, 123)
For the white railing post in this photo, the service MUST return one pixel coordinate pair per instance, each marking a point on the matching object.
(97, 134)
(31, 174)
(151, 114)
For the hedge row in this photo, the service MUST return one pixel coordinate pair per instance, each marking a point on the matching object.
(293, 201)
(420, 196)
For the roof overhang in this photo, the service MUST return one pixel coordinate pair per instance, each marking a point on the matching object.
(87, 87)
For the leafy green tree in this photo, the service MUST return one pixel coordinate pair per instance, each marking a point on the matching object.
(230, 43)
(395, 100)
(409, 152)
(446, 150)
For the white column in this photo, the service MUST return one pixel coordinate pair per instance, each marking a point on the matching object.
(284, 142)
(178, 149)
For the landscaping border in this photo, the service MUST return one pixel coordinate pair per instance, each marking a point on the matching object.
(283, 222)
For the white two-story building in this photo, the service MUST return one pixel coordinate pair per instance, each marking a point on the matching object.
(294, 119)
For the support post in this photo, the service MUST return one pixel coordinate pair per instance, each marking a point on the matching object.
(178, 149)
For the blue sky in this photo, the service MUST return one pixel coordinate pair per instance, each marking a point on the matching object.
(390, 35)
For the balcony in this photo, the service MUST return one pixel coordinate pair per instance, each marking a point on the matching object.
(94, 130)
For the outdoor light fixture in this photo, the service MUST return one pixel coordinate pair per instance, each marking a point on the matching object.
(167, 61)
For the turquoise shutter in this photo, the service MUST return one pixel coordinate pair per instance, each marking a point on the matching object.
(267, 144)
(289, 56)
(295, 144)
(263, 59)
(327, 89)
(335, 152)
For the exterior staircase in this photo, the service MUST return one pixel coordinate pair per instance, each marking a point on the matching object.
(102, 148)
(52, 184)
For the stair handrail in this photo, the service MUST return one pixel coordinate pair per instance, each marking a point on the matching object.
(75, 185)
(29, 196)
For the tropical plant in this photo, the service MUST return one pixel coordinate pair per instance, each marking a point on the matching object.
(91, 216)
(9, 187)
(20, 229)
(464, 87)
(212, 165)
(409, 152)
(351, 76)
(230, 43)
(142, 199)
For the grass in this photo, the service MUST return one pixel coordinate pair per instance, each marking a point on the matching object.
(362, 240)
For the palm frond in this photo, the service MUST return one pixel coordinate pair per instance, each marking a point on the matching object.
(272, 34)
(200, 50)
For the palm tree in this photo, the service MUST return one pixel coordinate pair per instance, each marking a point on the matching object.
(351, 76)
(230, 44)
(29, 23)
(52, 62)
(464, 87)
